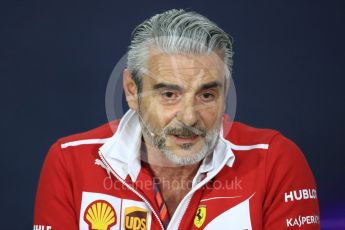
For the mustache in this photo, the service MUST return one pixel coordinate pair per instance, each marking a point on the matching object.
(185, 131)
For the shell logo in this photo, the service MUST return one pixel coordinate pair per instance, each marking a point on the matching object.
(100, 215)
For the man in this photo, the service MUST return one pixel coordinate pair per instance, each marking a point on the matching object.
(172, 162)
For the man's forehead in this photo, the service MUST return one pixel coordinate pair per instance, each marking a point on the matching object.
(185, 66)
(187, 77)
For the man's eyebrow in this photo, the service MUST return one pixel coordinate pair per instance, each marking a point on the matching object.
(213, 84)
(166, 85)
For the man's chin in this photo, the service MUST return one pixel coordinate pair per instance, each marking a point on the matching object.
(182, 156)
(186, 149)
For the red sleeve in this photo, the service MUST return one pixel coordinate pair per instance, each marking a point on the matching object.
(291, 199)
(54, 207)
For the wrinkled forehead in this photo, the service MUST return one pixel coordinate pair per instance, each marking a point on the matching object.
(187, 68)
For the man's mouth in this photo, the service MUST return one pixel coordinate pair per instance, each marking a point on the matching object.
(186, 139)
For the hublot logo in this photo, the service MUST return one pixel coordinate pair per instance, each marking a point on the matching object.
(302, 194)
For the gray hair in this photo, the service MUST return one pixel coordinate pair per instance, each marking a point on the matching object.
(177, 32)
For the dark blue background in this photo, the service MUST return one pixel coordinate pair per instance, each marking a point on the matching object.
(56, 58)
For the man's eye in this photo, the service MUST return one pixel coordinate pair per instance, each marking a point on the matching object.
(169, 95)
(207, 97)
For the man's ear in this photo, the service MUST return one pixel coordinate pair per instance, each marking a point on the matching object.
(130, 89)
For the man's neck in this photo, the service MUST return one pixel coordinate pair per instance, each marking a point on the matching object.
(175, 181)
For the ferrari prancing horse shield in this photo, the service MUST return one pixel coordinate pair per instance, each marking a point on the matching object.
(200, 216)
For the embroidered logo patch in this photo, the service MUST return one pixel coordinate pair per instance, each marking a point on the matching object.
(100, 215)
(200, 216)
(99, 211)
(135, 218)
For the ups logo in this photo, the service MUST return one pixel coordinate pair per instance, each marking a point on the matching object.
(135, 218)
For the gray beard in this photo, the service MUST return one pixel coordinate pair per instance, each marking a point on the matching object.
(159, 140)
(211, 139)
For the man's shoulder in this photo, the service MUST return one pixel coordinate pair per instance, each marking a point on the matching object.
(239, 133)
(276, 146)
(96, 135)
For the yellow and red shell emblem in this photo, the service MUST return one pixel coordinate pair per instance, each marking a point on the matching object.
(100, 215)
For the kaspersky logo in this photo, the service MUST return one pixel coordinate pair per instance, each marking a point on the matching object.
(100, 215)
(200, 216)
(135, 218)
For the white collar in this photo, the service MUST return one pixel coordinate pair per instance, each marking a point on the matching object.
(122, 150)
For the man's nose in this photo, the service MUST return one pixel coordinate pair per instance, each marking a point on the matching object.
(187, 112)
